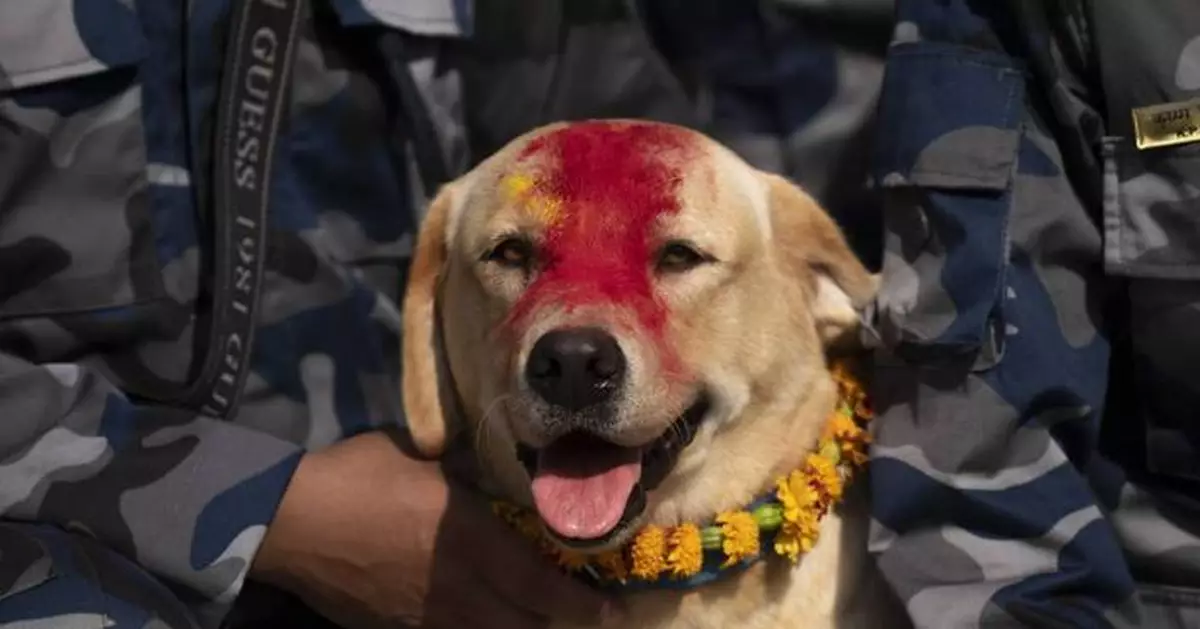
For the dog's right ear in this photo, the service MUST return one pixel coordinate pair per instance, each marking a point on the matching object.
(427, 422)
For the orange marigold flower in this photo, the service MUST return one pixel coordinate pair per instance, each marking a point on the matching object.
(685, 557)
(571, 560)
(612, 563)
(844, 428)
(823, 474)
(739, 536)
(649, 553)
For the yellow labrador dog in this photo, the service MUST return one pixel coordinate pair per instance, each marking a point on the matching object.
(634, 324)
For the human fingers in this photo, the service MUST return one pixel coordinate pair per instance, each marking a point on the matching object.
(515, 569)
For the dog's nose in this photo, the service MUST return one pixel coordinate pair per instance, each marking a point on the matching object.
(575, 368)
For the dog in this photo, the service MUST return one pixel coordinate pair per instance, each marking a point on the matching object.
(634, 327)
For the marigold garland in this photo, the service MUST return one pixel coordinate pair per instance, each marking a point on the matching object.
(739, 536)
(801, 499)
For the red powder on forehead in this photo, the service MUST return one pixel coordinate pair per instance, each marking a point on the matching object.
(612, 181)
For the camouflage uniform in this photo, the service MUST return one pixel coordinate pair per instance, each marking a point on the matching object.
(119, 511)
(105, 116)
(790, 85)
(1038, 454)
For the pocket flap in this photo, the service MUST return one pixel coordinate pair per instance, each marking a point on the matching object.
(951, 116)
(43, 41)
(438, 18)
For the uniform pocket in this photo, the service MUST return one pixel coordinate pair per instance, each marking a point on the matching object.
(1152, 236)
(75, 231)
(1152, 210)
(950, 123)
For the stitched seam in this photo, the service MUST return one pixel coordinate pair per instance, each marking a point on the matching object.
(996, 312)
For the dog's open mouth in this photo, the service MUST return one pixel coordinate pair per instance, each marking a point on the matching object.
(587, 489)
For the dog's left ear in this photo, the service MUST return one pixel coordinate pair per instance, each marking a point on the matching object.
(814, 248)
(427, 420)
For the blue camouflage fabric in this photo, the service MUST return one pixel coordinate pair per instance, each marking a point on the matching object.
(1036, 459)
(115, 511)
(791, 86)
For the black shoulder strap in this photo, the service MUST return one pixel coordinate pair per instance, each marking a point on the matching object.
(414, 123)
(254, 96)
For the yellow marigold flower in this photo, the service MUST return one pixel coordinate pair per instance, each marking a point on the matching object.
(787, 543)
(649, 553)
(787, 499)
(810, 528)
(855, 453)
(739, 533)
(850, 390)
(802, 508)
(685, 557)
(526, 523)
(798, 536)
(612, 563)
(847, 386)
(805, 495)
(824, 475)
(843, 428)
(571, 560)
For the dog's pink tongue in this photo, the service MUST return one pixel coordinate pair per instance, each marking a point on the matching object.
(582, 484)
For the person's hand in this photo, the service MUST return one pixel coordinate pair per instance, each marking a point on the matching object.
(370, 537)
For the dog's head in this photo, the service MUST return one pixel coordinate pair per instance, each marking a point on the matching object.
(620, 310)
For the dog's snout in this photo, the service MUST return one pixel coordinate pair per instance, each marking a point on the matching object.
(575, 368)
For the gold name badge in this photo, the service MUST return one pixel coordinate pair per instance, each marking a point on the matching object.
(1167, 124)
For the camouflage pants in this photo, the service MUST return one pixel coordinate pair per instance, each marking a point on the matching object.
(52, 579)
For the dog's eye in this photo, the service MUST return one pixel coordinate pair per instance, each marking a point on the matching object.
(514, 253)
(676, 257)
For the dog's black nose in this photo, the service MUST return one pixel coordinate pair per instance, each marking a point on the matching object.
(575, 368)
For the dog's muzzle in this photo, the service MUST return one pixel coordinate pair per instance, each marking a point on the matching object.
(588, 490)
